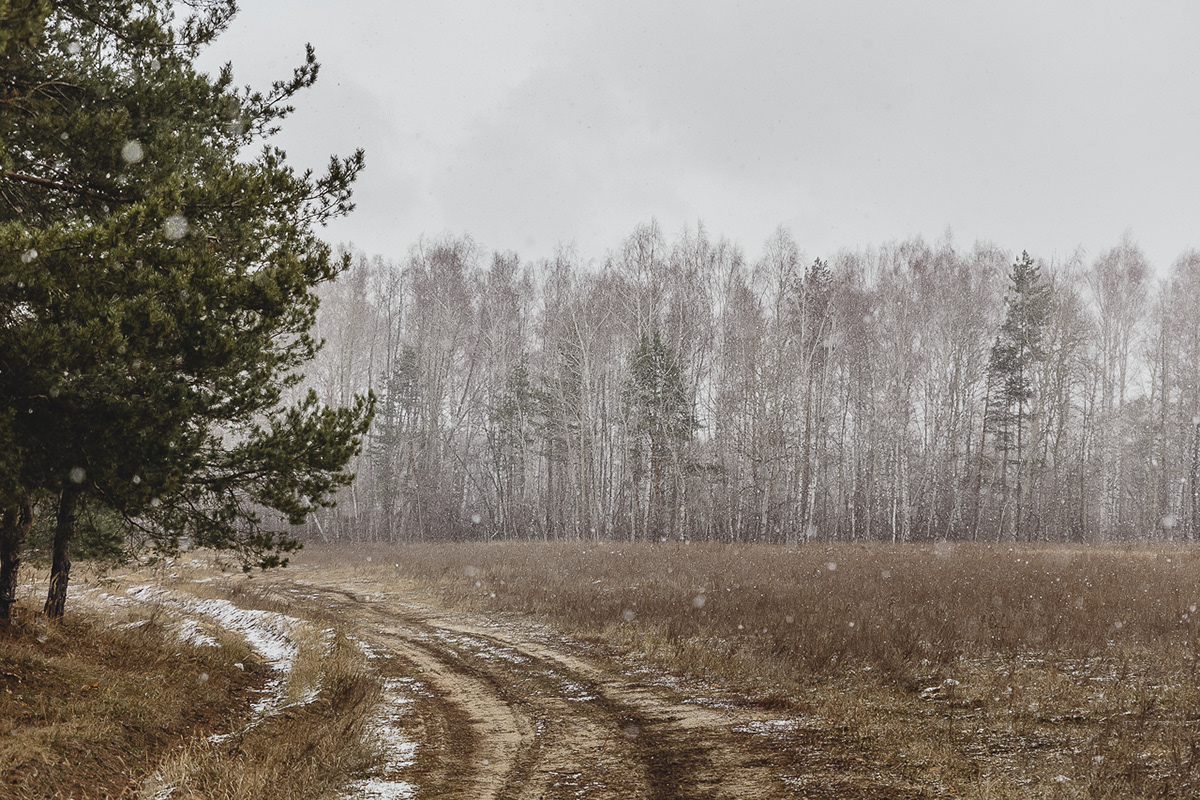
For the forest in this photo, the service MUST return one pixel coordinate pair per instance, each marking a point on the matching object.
(676, 391)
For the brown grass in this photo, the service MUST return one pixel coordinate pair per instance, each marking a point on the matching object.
(310, 747)
(309, 750)
(113, 705)
(991, 672)
(87, 709)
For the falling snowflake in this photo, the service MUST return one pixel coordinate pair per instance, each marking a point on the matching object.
(175, 226)
(133, 152)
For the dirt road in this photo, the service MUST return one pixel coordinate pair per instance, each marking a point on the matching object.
(503, 709)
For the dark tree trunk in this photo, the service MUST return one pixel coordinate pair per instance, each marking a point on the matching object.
(60, 569)
(13, 529)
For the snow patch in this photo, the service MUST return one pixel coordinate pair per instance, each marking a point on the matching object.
(770, 727)
(576, 692)
(190, 631)
(399, 752)
(376, 789)
(481, 648)
(268, 633)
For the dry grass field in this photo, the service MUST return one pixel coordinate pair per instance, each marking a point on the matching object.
(821, 671)
(114, 703)
(307, 750)
(974, 671)
(87, 708)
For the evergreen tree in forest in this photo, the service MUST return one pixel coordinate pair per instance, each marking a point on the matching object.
(1016, 351)
(157, 289)
(814, 323)
(660, 416)
(393, 446)
(514, 418)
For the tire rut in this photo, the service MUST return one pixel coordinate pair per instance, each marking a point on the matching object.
(688, 751)
(511, 716)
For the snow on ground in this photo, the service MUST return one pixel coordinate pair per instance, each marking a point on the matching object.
(399, 752)
(269, 633)
(376, 789)
(480, 647)
(770, 727)
(576, 692)
(272, 637)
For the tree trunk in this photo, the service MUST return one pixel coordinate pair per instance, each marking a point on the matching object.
(1194, 527)
(13, 530)
(60, 570)
(975, 514)
(1020, 521)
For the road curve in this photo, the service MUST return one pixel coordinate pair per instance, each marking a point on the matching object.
(511, 711)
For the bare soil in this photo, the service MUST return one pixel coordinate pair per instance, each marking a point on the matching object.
(507, 709)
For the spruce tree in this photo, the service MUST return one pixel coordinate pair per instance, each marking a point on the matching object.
(157, 289)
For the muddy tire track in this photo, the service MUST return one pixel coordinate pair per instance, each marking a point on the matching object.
(510, 713)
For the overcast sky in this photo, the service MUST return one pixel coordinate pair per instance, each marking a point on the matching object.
(1034, 125)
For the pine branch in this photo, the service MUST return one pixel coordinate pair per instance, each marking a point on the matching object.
(57, 185)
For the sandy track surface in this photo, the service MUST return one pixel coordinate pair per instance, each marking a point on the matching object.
(508, 710)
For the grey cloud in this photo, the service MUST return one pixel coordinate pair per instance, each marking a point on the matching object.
(1036, 125)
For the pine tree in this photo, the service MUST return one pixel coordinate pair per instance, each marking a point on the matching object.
(393, 439)
(661, 416)
(157, 289)
(513, 420)
(1016, 351)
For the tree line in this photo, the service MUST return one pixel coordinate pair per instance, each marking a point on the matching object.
(675, 390)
